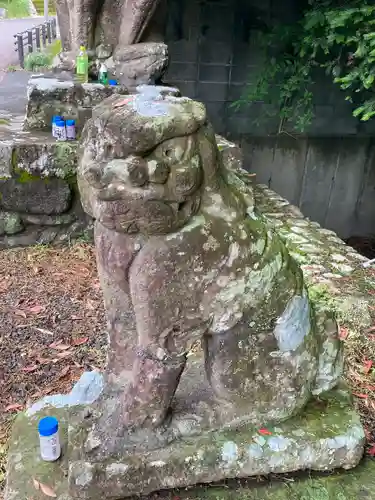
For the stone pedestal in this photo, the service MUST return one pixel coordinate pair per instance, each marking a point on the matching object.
(328, 435)
(49, 96)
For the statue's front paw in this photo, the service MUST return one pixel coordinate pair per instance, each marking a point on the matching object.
(142, 63)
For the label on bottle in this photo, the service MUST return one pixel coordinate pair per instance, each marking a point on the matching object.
(50, 448)
(81, 66)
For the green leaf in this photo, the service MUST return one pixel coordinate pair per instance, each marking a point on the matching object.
(358, 111)
(369, 81)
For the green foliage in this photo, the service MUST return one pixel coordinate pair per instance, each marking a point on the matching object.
(37, 60)
(15, 8)
(42, 60)
(339, 40)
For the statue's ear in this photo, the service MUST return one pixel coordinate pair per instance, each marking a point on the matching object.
(209, 153)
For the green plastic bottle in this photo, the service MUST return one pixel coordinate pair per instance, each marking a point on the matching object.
(82, 65)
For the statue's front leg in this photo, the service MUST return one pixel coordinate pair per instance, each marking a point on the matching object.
(83, 16)
(115, 252)
(77, 22)
(156, 376)
(167, 324)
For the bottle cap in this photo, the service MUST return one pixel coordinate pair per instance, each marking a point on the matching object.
(112, 82)
(70, 123)
(60, 123)
(48, 426)
(56, 118)
(82, 47)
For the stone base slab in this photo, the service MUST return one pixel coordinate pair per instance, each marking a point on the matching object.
(326, 436)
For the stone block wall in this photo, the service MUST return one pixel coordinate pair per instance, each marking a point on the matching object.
(39, 199)
(215, 51)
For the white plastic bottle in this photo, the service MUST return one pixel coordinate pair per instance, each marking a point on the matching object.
(60, 130)
(50, 448)
(70, 130)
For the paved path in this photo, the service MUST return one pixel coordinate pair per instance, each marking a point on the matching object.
(8, 28)
(13, 84)
(13, 87)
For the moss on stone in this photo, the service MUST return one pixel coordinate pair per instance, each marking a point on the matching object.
(24, 177)
(358, 484)
(322, 298)
(66, 159)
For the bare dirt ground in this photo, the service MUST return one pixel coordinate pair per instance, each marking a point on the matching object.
(52, 326)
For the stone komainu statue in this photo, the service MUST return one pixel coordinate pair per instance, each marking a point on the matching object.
(184, 256)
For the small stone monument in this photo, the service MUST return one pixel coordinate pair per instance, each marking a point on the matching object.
(218, 364)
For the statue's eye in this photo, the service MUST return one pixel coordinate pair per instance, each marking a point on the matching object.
(168, 153)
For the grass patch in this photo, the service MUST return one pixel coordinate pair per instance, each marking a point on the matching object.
(43, 60)
(11, 68)
(15, 8)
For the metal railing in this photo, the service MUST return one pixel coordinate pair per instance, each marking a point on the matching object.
(35, 39)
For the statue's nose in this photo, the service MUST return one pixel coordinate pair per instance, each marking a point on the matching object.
(131, 171)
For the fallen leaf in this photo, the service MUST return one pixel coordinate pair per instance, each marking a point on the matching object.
(96, 285)
(19, 312)
(35, 309)
(43, 330)
(123, 102)
(4, 285)
(47, 490)
(367, 434)
(367, 365)
(371, 337)
(90, 304)
(36, 484)
(343, 333)
(14, 407)
(362, 396)
(74, 316)
(265, 432)
(64, 354)
(371, 451)
(64, 371)
(59, 346)
(79, 341)
(371, 329)
(43, 361)
(29, 369)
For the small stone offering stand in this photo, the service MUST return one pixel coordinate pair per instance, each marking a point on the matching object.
(224, 359)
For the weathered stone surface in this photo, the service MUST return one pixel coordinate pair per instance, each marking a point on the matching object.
(142, 63)
(10, 223)
(327, 436)
(49, 235)
(117, 23)
(328, 424)
(35, 196)
(53, 96)
(32, 166)
(358, 484)
(115, 29)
